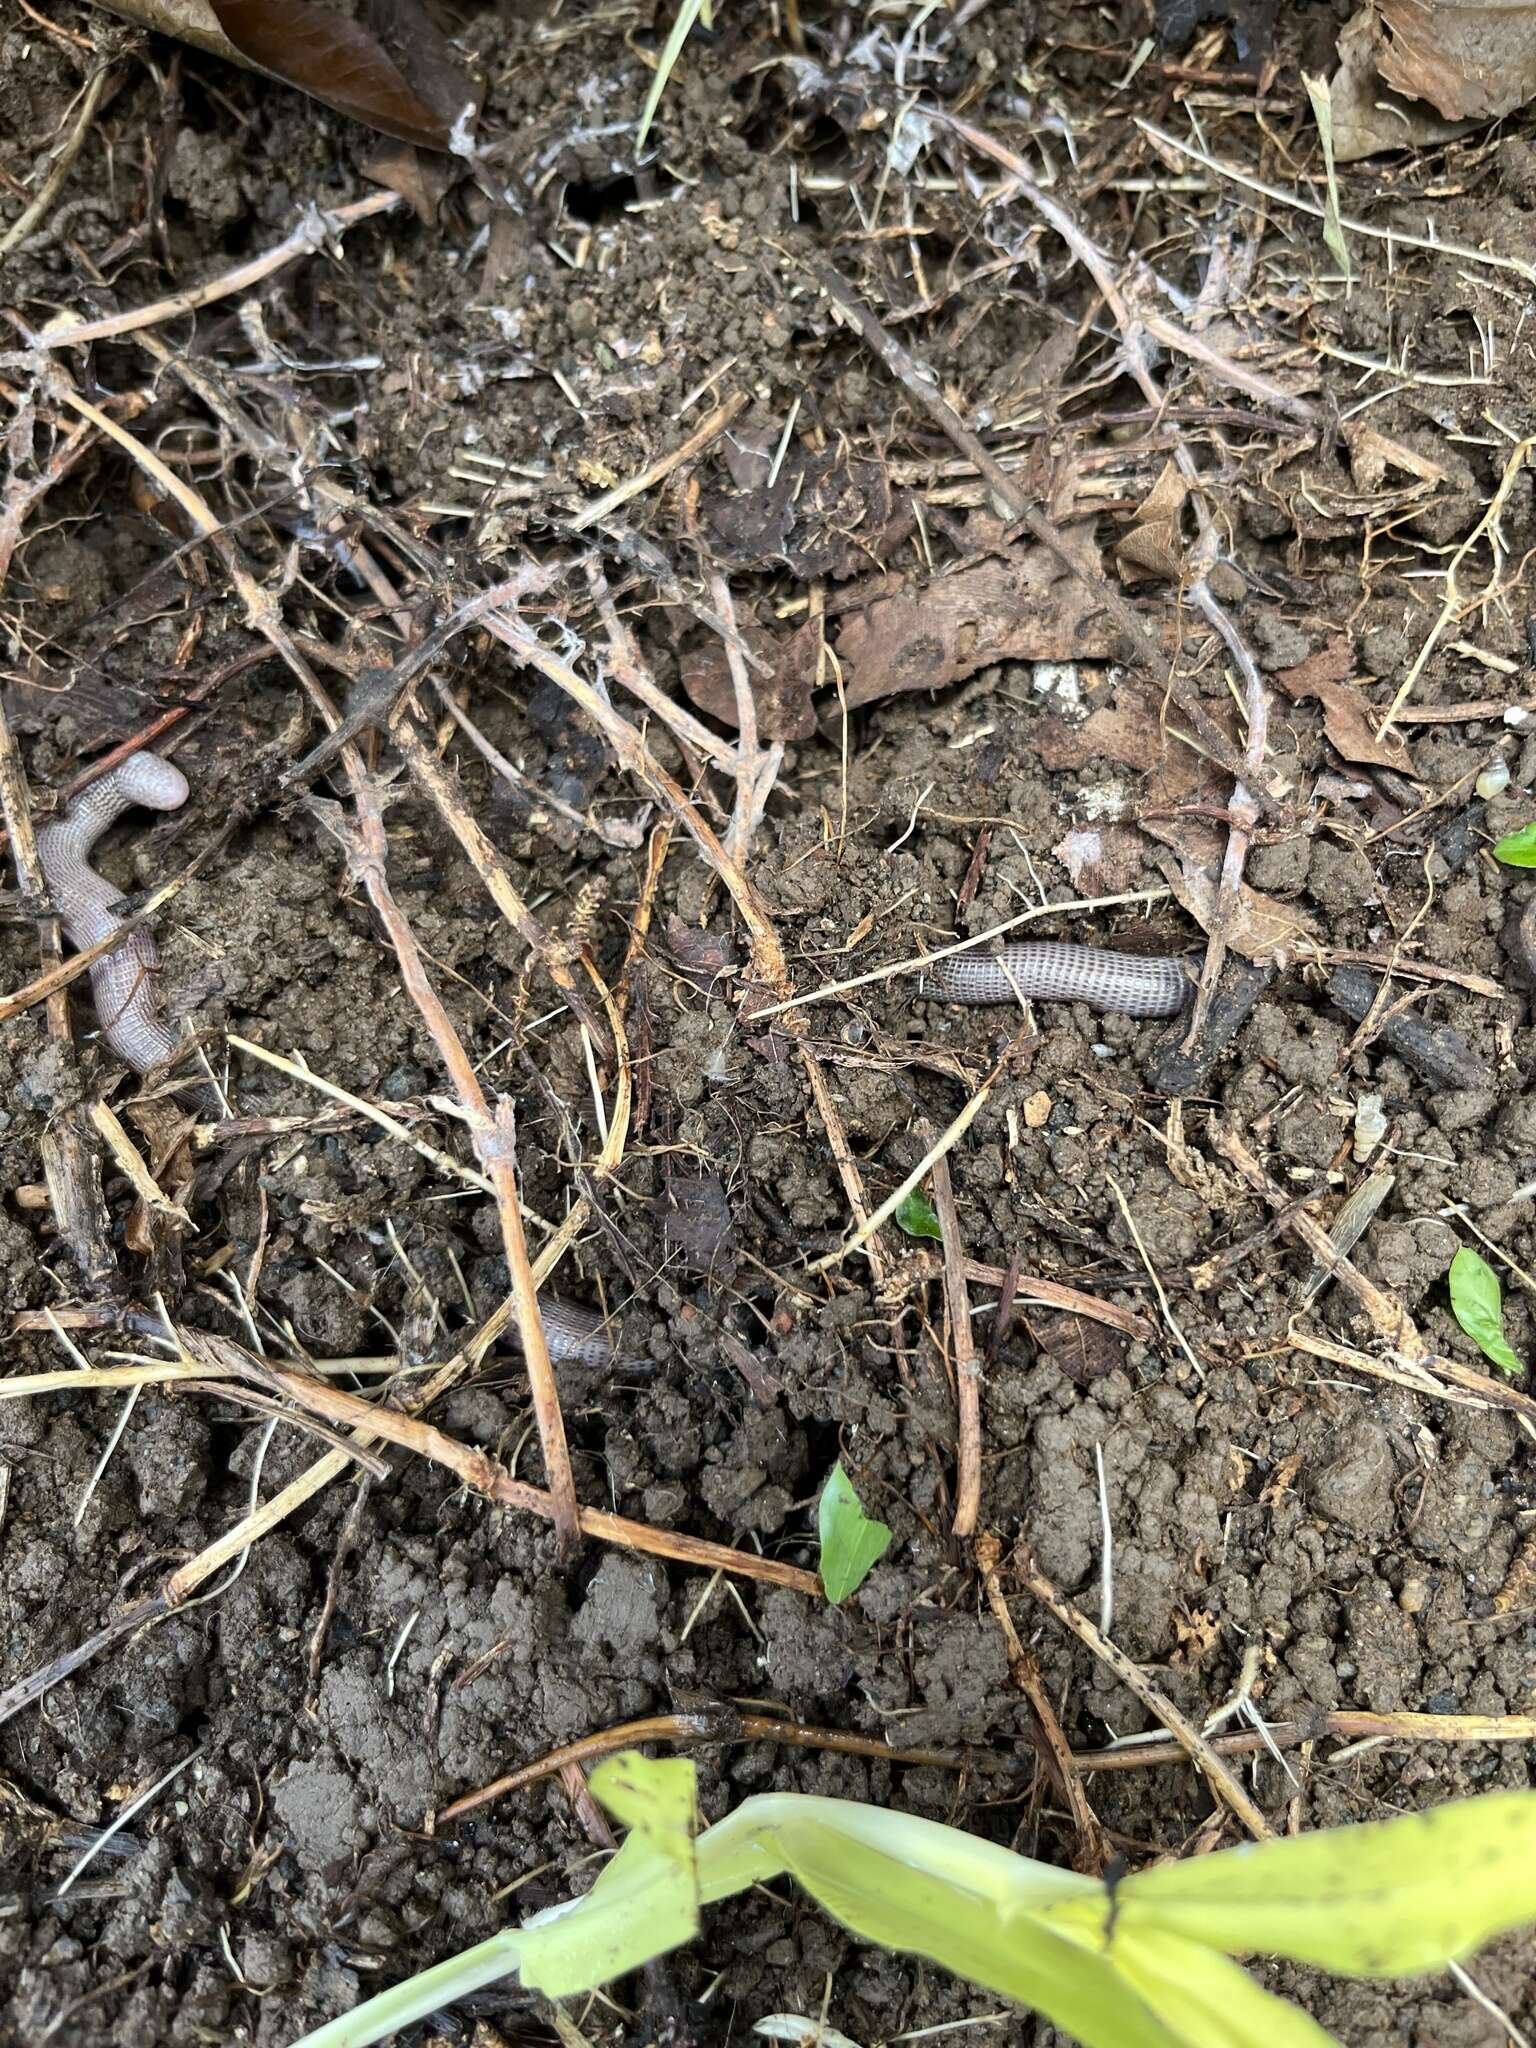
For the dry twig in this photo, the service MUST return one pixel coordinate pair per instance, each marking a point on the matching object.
(962, 1348)
(27, 220)
(1195, 1746)
(1024, 1669)
(312, 233)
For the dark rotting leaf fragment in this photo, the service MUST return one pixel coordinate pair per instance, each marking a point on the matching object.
(338, 62)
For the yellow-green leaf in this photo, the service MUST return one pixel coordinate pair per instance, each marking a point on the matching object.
(851, 1543)
(1382, 1900)
(1321, 97)
(1517, 849)
(1209, 1999)
(657, 1795)
(1477, 1302)
(1020, 1928)
(644, 1903)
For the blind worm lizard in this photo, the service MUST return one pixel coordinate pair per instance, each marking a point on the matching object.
(123, 981)
(1133, 984)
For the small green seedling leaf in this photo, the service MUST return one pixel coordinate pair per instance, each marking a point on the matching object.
(1478, 1305)
(687, 14)
(916, 1216)
(1518, 849)
(851, 1544)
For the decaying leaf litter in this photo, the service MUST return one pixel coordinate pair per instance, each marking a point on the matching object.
(949, 474)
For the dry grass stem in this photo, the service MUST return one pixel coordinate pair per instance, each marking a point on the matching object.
(1195, 1746)
(312, 233)
(962, 1348)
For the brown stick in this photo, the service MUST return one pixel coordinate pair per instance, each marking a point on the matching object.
(481, 1472)
(697, 441)
(16, 805)
(767, 952)
(1467, 1387)
(371, 863)
(71, 1164)
(185, 1580)
(1242, 810)
(725, 1724)
(490, 867)
(1170, 333)
(309, 235)
(925, 1265)
(53, 184)
(874, 1242)
(1349, 1726)
(380, 691)
(47, 984)
(1419, 1367)
(1024, 1668)
(22, 497)
(962, 1347)
(706, 1724)
(1194, 1745)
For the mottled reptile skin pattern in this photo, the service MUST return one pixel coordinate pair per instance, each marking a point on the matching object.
(1052, 971)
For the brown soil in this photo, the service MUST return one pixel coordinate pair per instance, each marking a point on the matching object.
(1351, 1536)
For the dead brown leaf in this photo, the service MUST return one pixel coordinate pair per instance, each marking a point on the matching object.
(1367, 115)
(1347, 717)
(1023, 606)
(1122, 731)
(1197, 1632)
(699, 951)
(783, 699)
(826, 512)
(1084, 1351)
(341, 63)
(1263, 929)
(1114, 733)
(1281, 1480)
(1102, 860)
(1154, 547)
(1471, 59)
(421, 176)
(1372, 454)
(1520, 1581)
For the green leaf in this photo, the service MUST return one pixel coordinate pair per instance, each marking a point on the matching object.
(1518, 849)
(851, 1544)
(915, 1215)
(647, 1899)
(1207, 1998)
(687, 14)
(746, 1848)
(1383, 1900)
(1024, 1929)
(1478, 1305)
